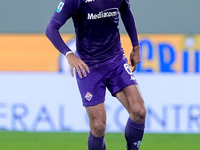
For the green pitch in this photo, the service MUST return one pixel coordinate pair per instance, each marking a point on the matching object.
(78, 141)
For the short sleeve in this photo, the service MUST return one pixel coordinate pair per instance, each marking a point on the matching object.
(65, 10)
(124, 5)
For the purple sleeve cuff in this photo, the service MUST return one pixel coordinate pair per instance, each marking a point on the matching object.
(52, 32)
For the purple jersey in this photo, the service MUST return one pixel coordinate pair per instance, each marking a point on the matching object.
(96, 25)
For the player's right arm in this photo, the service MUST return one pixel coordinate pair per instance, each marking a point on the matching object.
(64, 11)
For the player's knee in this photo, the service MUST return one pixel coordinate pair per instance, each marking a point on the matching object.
(139, 114)
(142, 113)
(99, 129)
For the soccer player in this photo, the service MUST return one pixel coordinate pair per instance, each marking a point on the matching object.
(100, 63)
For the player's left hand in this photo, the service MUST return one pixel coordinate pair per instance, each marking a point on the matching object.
(135, 57)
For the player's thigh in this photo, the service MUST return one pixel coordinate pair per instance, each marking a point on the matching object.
(131, 98)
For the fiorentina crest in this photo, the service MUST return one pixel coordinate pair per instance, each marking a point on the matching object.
(88, 96)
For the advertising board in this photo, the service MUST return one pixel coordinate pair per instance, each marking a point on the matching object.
(37, 92)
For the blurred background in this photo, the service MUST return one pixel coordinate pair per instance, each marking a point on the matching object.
(37, 92)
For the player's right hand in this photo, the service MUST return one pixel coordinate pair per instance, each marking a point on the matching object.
(78, 64)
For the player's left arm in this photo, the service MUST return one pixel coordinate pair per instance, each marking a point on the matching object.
(130, 26)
